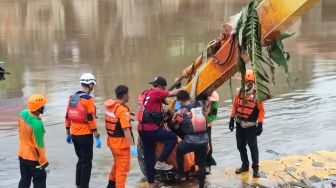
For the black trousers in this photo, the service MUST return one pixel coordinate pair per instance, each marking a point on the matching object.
(149, 139)
(200, 151)
(247, 136)
(210, 161)
(29, 171)
(84, 150)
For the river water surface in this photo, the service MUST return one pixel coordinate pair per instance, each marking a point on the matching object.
(48, 44)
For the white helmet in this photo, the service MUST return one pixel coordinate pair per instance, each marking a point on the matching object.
(87, 78)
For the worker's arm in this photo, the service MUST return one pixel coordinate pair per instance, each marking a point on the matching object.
(91, 116)
(234, 106)
(39, 144)
(128, 136)
(174, 92)
(67, 124)
(261, 109)
(178, 116)
(125, 119)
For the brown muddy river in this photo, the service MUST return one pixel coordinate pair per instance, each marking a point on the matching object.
(48, 44)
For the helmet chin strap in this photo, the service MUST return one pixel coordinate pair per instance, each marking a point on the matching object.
(41, 110)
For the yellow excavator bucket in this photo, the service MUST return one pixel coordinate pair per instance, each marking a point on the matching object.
(275, 17)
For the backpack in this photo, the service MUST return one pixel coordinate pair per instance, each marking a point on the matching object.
(75, 109)
(193, 119)
(198, 119)
(142, 101)
(144, 115)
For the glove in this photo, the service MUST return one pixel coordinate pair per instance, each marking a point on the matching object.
(134, 151)
(44, 166)
(68, 139)
(231, 124)
(259, 129)
(98, 143)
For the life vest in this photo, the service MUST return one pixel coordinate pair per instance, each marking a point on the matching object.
(247, 108)
(75, 109)
(143, 114)
(112, 122)
(194, 120)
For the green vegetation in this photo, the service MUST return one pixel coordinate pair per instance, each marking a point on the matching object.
(248, 35)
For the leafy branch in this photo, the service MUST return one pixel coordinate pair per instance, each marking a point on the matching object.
(248, 35)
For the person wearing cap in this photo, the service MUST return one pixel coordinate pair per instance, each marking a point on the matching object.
(150, 129)
(248, 113)
(31, 153)
(80, 124)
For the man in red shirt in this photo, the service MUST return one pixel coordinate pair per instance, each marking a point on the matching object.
(151, 131)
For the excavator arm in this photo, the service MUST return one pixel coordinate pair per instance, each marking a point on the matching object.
(275, 17)
(218, 63)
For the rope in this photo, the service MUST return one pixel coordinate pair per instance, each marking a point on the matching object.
(195, 80)
(230, 84)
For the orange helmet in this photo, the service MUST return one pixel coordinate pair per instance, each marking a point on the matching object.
(249, 76)
(36, 102)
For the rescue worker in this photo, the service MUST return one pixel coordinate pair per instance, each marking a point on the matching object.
(80, 123)
(120, 138)
(192, 119)
(31, 153)
(248, 113)
(212, 116)
(150, 118)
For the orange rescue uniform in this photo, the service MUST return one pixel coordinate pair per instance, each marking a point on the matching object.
(31, 138)
(89, 124)
(117, 118)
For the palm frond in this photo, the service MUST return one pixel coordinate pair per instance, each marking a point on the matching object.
(248, 36)
(256, 56)
(277, 53)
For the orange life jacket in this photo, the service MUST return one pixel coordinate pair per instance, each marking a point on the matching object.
(247, 108)
(112, 122)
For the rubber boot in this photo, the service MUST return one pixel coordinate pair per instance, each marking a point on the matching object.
(256, 173)
(241, 170)
(111, 184)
